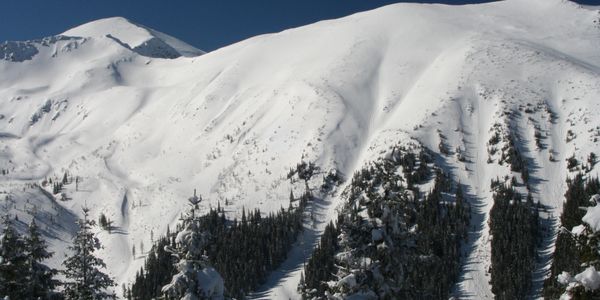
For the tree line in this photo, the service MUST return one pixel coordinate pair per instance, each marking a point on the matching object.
(243, 252)
(392, 241)
(514, 226)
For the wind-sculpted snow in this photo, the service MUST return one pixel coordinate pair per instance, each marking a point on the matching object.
(231, 122)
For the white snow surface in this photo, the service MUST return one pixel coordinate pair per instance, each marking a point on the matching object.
(592, 217)
(211, 283)
(589, 278)
(231, 122)
(578, 230)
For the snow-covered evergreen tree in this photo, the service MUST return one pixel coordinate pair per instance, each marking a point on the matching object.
(576, 257)
(12, 262)
(85, 279)
(585, 282)
(40, 278)
(195, 278)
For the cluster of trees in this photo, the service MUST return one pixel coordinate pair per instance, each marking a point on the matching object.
(390, 241)
(570, 136)
(495, 138)
(58, 183)
(304, 171)
(538, 138)
(574, 165)
(23, 274)
(104, 222)
(195, 278)
(512, 156)
(158, 270)
(509, 152)
(22, 271)
(415, 168)
(572, 253)
(321, 264)
(247, 251)
(57, 187)
(442, 145)
(243, 252)
(331, 181)
(514, 225)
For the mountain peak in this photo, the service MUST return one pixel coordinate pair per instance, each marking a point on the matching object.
(141, 39)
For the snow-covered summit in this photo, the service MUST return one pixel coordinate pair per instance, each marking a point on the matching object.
(141, 39)
(111, 33)
(119, 27)
(140, 133)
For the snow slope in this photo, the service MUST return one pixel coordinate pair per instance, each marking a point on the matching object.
(102, 103)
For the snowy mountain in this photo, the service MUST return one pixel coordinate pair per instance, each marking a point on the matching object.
(136, 38)
(140, 119)
(139, 39)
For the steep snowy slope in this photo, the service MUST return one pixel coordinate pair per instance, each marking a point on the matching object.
(141, 132)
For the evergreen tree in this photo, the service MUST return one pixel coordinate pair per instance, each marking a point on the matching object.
(575, 198)
(195, 279)
(12, 262)
(103, 221)
(40, 278)
(85, 280)
(572, 253)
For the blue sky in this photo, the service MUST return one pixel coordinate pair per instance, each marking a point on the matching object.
(207, 25)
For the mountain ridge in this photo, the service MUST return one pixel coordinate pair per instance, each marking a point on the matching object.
(231, 122)
(137, 37)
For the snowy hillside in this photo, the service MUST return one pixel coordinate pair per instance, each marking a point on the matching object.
(139, 119)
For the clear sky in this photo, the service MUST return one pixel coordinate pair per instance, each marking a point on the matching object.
(205, 24)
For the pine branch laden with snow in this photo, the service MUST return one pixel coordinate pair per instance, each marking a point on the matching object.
(587, 282)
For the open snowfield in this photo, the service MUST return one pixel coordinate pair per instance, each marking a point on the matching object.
(108, 103)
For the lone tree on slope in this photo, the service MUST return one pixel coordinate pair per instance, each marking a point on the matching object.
(85, 280)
